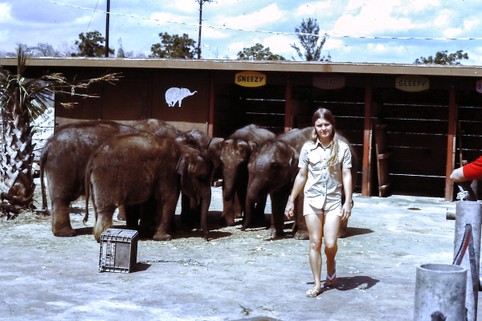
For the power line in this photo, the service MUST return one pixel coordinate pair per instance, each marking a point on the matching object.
(92, 16)
(329, 35)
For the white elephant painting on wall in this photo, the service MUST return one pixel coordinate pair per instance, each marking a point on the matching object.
(176, 95)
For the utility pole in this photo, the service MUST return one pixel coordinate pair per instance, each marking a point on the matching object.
(201, 2)
(107, 16)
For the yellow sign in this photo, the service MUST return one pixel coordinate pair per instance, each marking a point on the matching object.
(250, 79)
(412, 83)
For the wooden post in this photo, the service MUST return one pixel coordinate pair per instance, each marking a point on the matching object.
(288, 107)
(451, 136)
(212, 93)
(367, 145)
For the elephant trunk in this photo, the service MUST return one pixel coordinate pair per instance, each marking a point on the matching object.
(228, 187)
(252, 198)
(205, 203)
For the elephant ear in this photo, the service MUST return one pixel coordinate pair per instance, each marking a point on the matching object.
(186, 162)
(294, 163)
(181, 164)
(252, 145)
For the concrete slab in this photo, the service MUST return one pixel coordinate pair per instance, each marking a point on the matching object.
(235, 276)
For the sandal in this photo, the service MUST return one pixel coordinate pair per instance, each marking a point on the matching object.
(313, 293)
(331, 279)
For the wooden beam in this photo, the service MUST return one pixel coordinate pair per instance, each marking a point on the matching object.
(451, 146)
(212, 93)
(288, 107)
(367, 144)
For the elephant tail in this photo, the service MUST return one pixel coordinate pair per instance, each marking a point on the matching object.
(43, 160)
(87, 193)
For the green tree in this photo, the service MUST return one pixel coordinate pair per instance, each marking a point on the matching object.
(443, 58)
(174, 46)
(258, 52)
(91, 45)
(310, 40)
(22, 100)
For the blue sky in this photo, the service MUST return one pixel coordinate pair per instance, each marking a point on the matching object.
(365, 31)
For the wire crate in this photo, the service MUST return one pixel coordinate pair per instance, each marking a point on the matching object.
(118, 250)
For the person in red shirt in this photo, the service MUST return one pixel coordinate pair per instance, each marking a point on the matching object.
(465, 176)
(469, 172)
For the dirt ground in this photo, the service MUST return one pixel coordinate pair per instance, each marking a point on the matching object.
(234, 276)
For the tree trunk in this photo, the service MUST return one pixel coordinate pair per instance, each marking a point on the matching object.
(17, 187)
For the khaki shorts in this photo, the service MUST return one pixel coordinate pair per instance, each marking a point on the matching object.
(308, 209)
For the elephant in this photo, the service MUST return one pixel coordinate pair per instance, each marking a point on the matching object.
(135, 168)
(195, 138)
(272, 170)
(175, 95)
(157, 127)
(235, 153)
(214, 154)
(65, 155)
(63, 162)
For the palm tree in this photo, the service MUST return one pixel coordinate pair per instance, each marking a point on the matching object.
(22, 100)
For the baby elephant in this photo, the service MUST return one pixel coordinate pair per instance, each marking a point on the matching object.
(135, 168)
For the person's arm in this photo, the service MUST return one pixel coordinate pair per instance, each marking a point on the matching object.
(298, 185)
(468, 172)
(457, 175)
(347, 188)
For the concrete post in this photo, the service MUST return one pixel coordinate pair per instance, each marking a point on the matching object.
(469, 213)
(440, 292)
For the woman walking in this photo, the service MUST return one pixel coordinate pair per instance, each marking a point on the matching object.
(324, 170)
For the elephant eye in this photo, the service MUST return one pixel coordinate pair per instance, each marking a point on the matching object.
(274, 166)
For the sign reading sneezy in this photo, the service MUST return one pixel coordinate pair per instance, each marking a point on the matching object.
(412, 83)
(250, 79)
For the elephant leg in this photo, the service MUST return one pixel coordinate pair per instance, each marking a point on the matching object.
(343, 231)
(167, 210)
(190, 216)
(132, 215)
(121, 215)
(61, 219)
(278, 204)
(103, 222)
(259, 219)
(204, 208)
(249, 210)
(299, 227)
(147, 224)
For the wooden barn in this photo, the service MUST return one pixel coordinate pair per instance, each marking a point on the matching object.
(410, 124)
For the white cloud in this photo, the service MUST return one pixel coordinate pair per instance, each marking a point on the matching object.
(167, 18)
(311, 9)
(213, 34)
(371, 18)
(280, 45)
(258, 19)
(5, 12)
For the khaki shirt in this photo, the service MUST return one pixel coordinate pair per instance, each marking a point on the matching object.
(323, 189)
